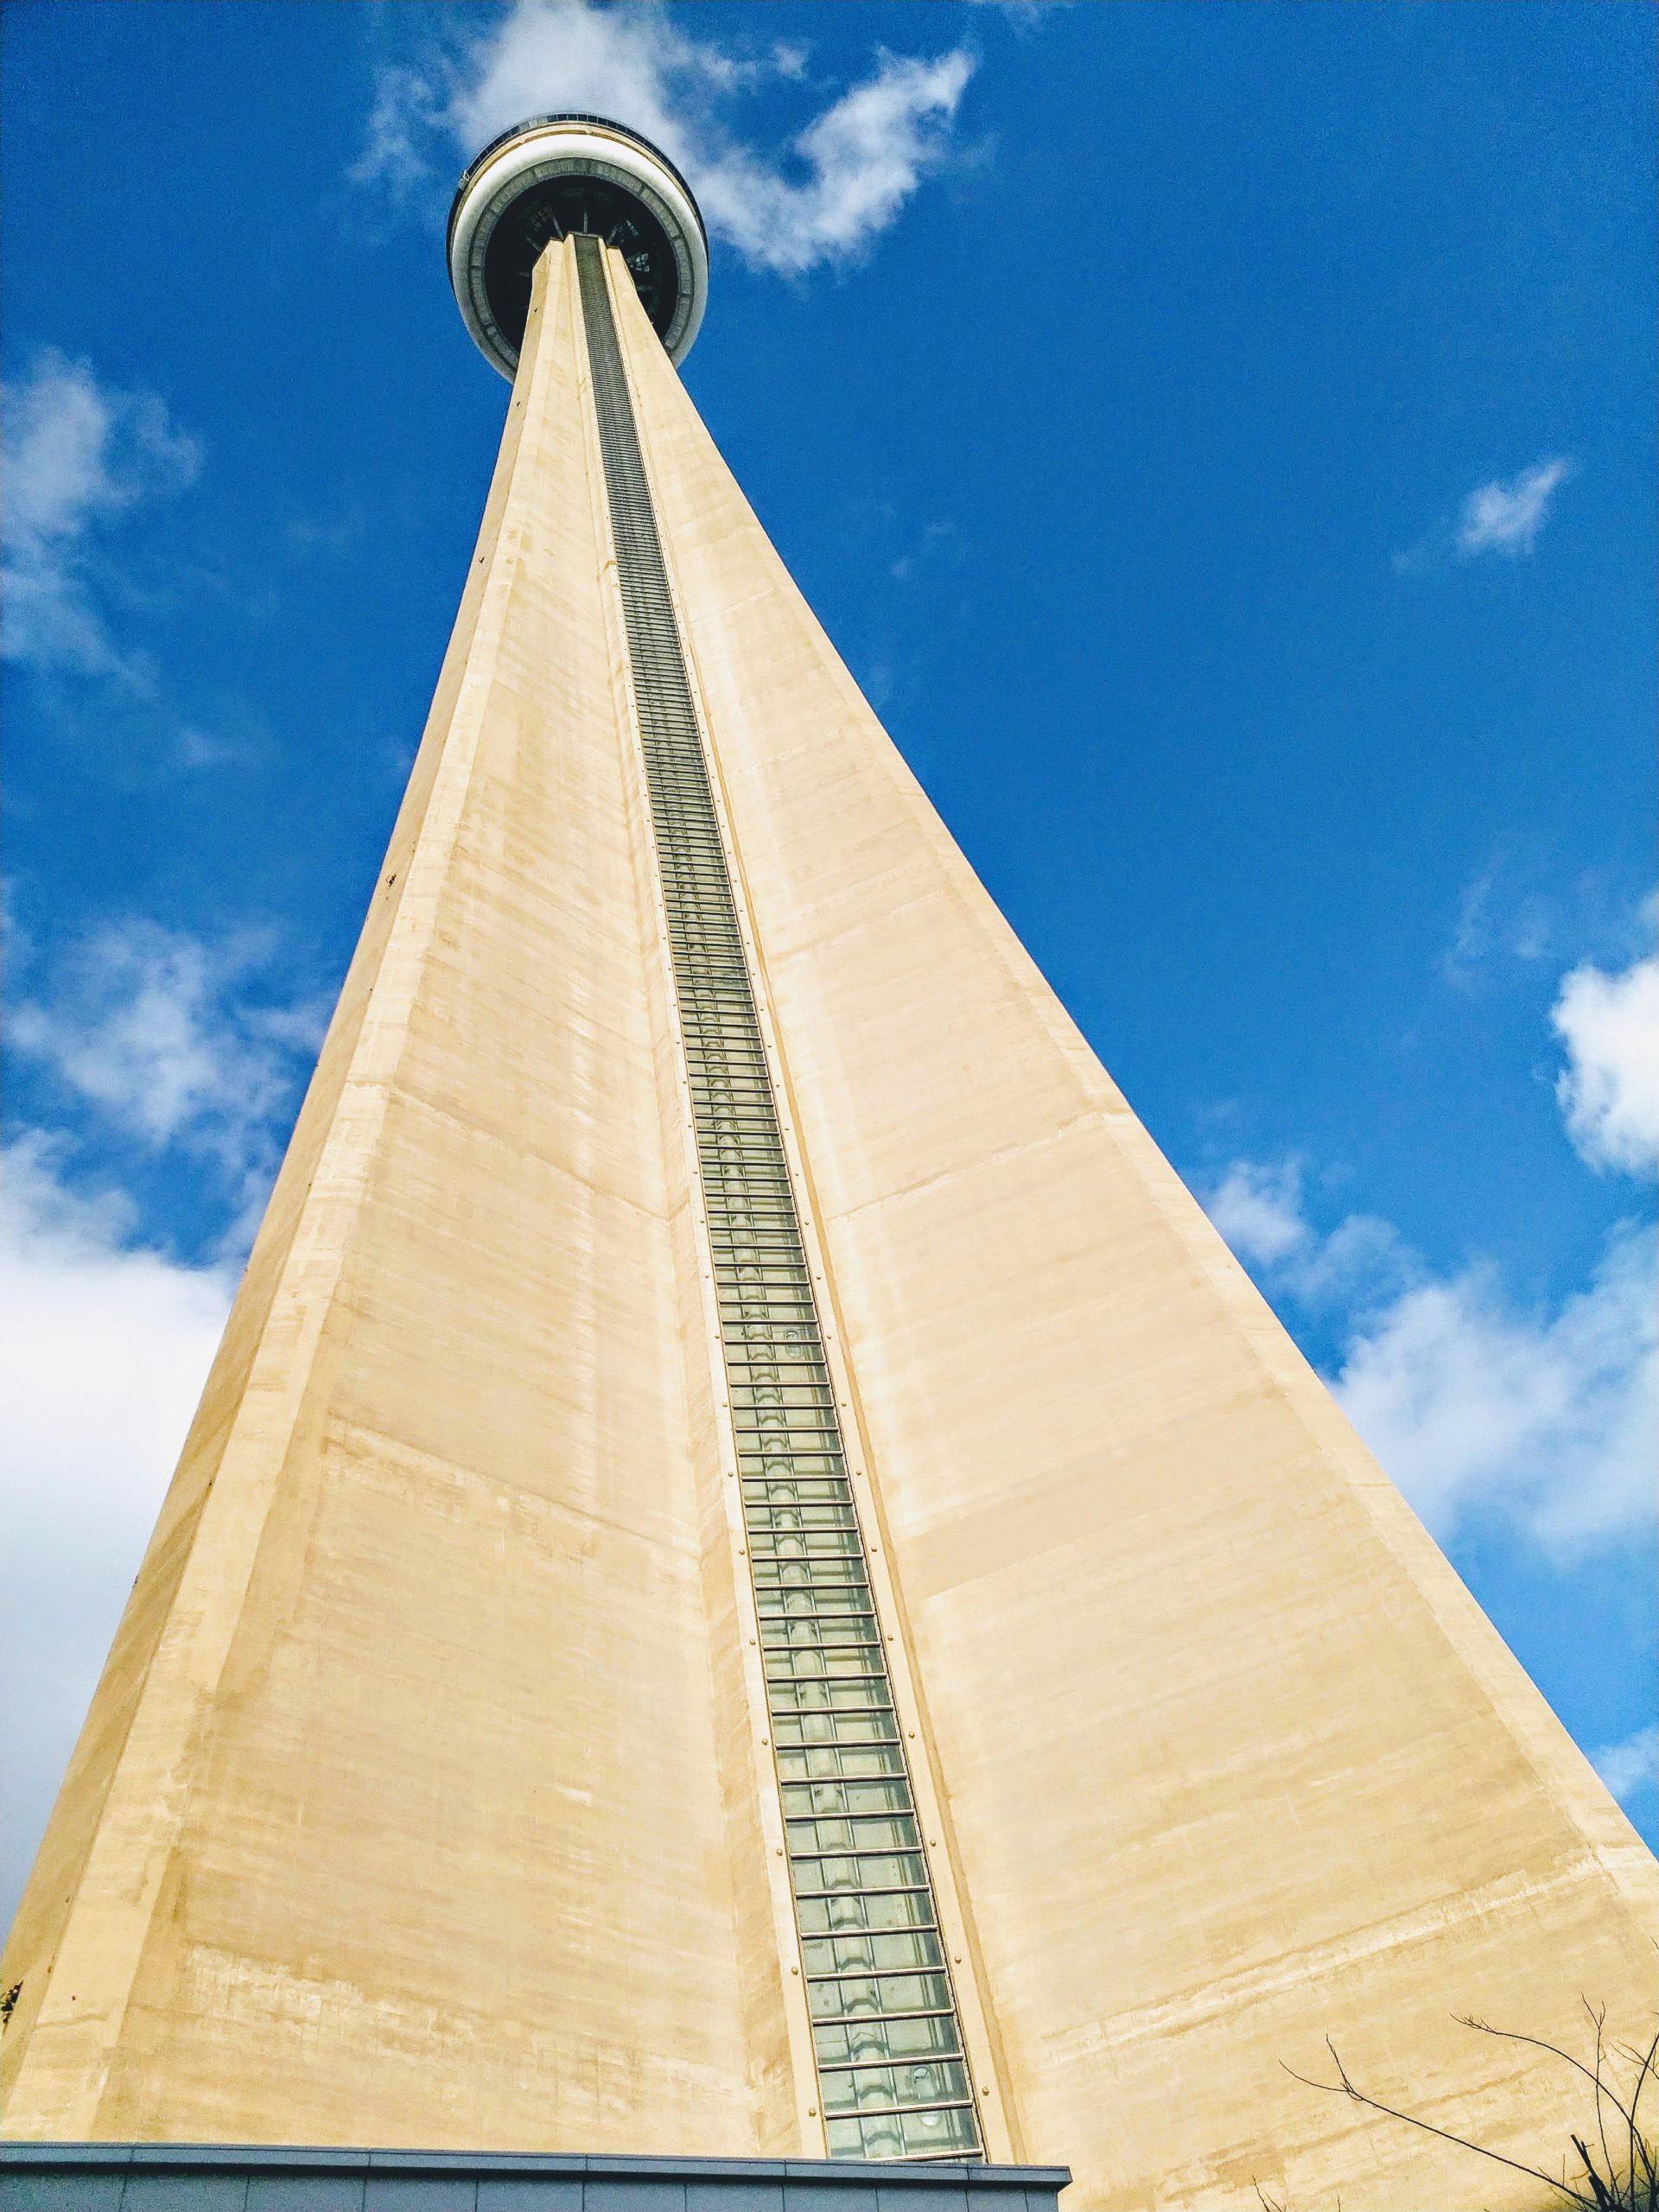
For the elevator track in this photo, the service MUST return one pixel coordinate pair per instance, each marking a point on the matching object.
(892, 2077)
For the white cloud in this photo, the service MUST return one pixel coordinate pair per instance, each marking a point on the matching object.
(1023, 15)
(1501, 917)
(1505, 516)
(1257, 1206)
(866, 155)
(1629, 1767)
(1608, 1090)
(104, 1347)
(839, 183)
(77, 453)
(149, 1026)
(639, 64)
(406, 112)
(1546, 1418)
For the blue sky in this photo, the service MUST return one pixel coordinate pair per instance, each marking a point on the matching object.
(1219, 439)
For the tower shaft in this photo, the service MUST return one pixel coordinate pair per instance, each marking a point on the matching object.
(409, 1809)
(738, 1476)
(887, 2041)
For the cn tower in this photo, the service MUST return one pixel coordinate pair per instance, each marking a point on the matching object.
(755, 1603)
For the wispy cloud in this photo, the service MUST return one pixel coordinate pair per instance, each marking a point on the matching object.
(1609, 1089)
(1544, 1417)
(1503, 516)
(1023, 12)
(78, 453)
(1506, 515)
(1500, 917)
(84, 1468)
(819, 200)
(1630, 1767)
(1478, 1406)
(161, 1033)
(864, 156)
(940, 544)
(1258, 1207)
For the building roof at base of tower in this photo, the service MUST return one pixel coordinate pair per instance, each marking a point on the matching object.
(554, 175)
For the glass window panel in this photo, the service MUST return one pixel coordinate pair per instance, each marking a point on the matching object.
(858, 2042)
(782, 1588)
(842, 1605)
(784, 1516)
(851, 1912)
(944, 2135)
(765, 1398)
(789, 1586)
(887, 1795)
(933, 2082)
(939, 2134)
(790, 1634)
(793, 1727)
(861, 1999)
(782, 1490)
(864, 2139)
(791, 1666)
(872, 1954)
(774, 1362)
(769, 1463)
(790, 1694)
(897, 1832)
(827, 1662)
(775, 1429)
(820, 1543)
(893, 1871)
(826, 1763)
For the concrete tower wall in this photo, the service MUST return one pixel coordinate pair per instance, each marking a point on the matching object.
(1229, 1757)
(406, 1811)
(426, 1799)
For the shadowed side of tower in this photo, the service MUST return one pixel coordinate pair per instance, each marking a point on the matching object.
(751, 1576)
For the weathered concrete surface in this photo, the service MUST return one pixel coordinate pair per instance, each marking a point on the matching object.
(1231, 1758)
(425, 1799)
(399, 1815)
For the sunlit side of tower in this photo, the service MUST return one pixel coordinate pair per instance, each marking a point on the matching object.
(751, 1578)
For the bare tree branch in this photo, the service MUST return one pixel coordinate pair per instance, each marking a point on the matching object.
(1343, 2085)
(1636, 2190)
(1514, 2035)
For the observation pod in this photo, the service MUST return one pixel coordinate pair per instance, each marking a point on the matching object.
(556, 176)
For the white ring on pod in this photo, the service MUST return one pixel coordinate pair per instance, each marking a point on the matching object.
(559, 147)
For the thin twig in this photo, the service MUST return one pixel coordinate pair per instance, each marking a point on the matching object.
(1514, 2035)
(1343, 2085)
(1602, 2090)
(1639, 2145)
(1637, 2192)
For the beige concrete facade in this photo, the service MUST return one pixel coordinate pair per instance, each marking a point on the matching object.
(426, 1799)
